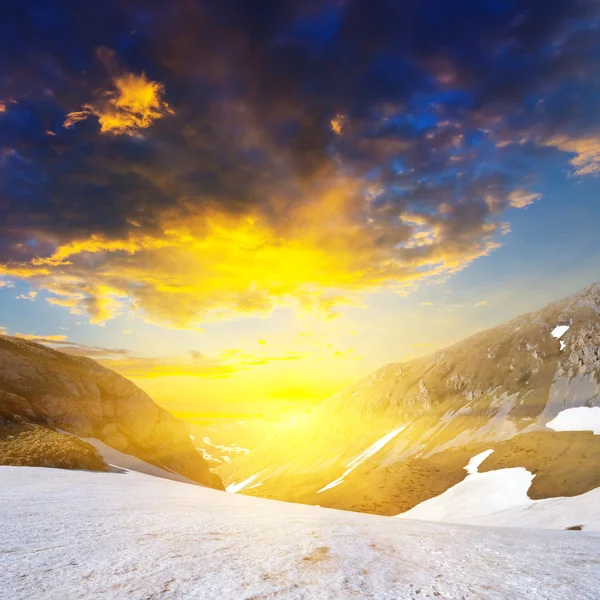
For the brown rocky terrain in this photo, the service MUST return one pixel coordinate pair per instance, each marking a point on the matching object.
(52, 390)
(495, 390)
(25, 444)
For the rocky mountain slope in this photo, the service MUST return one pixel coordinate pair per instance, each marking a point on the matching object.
(406, 432)
(47, 390)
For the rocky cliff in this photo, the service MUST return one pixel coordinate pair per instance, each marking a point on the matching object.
(75, 394)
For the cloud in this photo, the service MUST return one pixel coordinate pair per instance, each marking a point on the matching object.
(337, 124)
(313, 152)
(195, 364)
(522, 198)
(31, 296)
(212, 267)
(50, 339)
(6, 284)
(482, 303)
(427, 304)
(586, 149)
(135, 103)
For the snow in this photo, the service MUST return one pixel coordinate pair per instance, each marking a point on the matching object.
(362, 457)
(69, 535)
(120, 460)
(478, 496)
(236, 487)
(233, 449)
(559, 331)
(474, 464)
(582, 418)
(499, 498)
(569, 391)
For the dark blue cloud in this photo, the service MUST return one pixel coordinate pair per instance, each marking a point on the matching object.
(426, 88)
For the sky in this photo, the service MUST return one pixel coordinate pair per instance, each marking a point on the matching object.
(246, 206)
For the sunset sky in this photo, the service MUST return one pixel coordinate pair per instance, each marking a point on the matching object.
(245, 206)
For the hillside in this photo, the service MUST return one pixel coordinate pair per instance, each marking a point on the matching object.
(405, 433)
(139, 537)
(44, 390)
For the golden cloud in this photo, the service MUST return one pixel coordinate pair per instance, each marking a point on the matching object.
(41, 338)
(522, 198)
(31, 296)
(323, 255)
(337, 124)
(134, 103)
(586, 148)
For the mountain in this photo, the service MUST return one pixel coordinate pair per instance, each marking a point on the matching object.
(406, 433)
(45, 395)
(74, 534)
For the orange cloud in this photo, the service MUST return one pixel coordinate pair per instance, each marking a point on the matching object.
(337, 124)
(134, 103)
(41, 338)
(31, 296)
(586, 148)
(522, 198)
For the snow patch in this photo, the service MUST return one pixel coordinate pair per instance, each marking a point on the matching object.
(582, 418)
(475, 462)
(236, 487)
(120, 460)
(559, 331)
(362, 457)
(499, 498)
(479, 495)
(233, 449)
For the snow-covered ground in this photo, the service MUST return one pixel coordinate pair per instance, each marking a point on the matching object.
(77, 534)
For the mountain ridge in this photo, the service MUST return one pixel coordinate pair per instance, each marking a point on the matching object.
(46, 388)
(499, 386)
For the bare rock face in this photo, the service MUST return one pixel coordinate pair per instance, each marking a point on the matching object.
(78, 395)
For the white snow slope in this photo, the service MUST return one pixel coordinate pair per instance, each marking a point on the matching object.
(78, 534)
